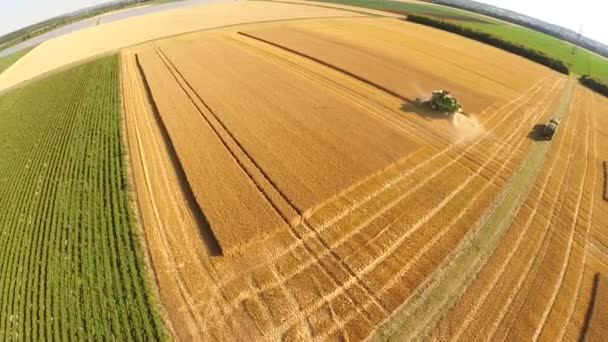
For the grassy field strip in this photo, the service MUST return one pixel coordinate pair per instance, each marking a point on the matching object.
(408, 7)
(464, 266)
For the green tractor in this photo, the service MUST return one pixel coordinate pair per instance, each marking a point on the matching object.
(441, 100)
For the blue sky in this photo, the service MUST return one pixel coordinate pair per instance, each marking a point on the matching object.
(15, 14)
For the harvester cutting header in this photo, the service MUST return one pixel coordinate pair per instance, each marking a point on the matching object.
(441, 100)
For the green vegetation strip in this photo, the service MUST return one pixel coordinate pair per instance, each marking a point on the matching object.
(7, 61)
(70, 261)
(426, 308)
(594, 84)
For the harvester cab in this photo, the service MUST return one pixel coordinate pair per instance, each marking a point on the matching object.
(441, 100)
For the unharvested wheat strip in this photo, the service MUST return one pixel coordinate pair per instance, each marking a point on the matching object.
(403, 38)
(167, 251)
(360, 94)
(580, 317)
(554, 328)
(606, 180)
(327, 144)
(283, 206)
(464, 307)
(189, 280)
(237, 211)
(307, 71)
(403, 50)
(385, 73)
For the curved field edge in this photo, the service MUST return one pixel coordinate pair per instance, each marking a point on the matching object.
(7, 61)
(71, 265)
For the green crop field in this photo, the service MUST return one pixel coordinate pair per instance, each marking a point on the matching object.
(9, 60)
(70, 263)
(580, 63)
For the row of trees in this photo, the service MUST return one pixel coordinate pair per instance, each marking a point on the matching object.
(594, 84)
(487, 38)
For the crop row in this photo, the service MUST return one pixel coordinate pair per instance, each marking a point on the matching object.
(70, 263)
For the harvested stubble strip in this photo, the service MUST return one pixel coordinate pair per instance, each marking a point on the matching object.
(556, 260)
(530, 222)
(556, 322)
(310, 143)
(237, 211)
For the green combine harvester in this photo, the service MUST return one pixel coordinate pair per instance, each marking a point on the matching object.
(441, 100)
